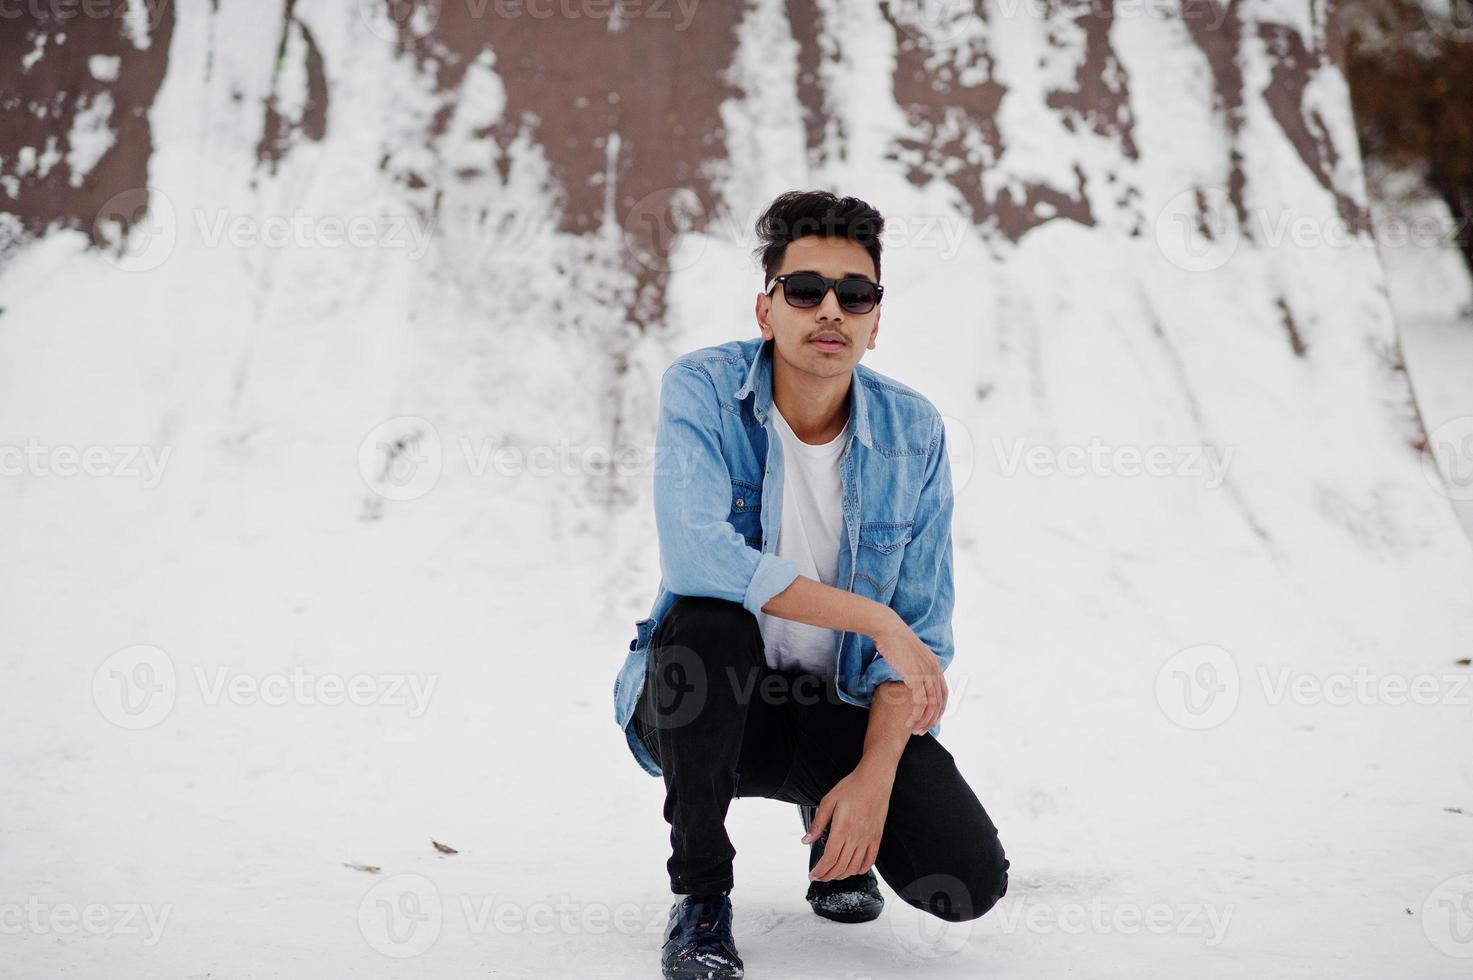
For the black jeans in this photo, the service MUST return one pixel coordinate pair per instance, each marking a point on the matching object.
(722, 724)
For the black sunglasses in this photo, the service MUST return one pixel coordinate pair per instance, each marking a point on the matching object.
(805, 290)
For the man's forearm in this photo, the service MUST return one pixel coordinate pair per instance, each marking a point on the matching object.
(810, 601)
(887, 734)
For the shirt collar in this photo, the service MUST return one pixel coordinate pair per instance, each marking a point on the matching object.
(759, 382)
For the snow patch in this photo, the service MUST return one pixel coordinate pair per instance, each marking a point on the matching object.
(90, 137)
(104, 67)
(137, 22)
(34, 55)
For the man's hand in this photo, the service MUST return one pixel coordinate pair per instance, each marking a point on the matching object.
(856, 807)
(809, 601)
(854, 810)
(918, 667)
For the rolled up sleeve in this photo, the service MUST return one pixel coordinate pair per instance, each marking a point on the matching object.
(701, 554)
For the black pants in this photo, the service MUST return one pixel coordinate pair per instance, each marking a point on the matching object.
(722, 724)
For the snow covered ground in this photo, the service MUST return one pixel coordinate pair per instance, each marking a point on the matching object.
(1433, 299)
(255, 663)
(1439, 353)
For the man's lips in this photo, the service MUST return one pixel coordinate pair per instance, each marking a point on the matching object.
(827, 342)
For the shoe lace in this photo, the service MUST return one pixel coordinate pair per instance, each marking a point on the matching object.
(709, 924)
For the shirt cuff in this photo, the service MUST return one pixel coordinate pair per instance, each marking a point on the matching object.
(878, 672)
(773, 574)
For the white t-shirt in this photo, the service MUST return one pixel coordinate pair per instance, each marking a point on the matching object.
(812, 527)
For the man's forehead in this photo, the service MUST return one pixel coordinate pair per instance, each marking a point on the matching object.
(832, 257)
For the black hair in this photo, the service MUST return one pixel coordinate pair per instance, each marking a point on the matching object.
(795, 214)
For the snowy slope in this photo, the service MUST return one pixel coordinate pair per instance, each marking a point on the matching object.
(1108, 232)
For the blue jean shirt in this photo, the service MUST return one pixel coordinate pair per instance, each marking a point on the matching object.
(718, 493)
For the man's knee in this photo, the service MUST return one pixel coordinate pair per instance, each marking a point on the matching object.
(706, 622)
(989, 883)
(707, 638)
(969, 874)
(970, 894)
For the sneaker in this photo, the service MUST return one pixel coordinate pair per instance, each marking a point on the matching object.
(698, 943)
(856, 898)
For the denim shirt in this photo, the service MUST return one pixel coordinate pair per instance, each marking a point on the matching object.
(718, 493)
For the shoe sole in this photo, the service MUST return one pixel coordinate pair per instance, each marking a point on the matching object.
(859, 915)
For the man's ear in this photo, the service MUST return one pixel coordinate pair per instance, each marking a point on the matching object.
(764, 307)
(874, 332)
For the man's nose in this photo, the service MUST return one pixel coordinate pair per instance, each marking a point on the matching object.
(830, 309)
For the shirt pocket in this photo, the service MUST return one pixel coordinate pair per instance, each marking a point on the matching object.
(877, 565)
(746, 512)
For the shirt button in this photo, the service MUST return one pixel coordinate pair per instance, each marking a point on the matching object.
(741, 502)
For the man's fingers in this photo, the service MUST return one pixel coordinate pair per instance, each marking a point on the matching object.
(856, 863)
(918, 703)
(841, 851)
(846, 858)
(826, 864)
(924, 701)
(820, 820)
(938, 701)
